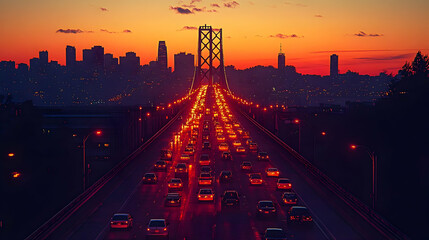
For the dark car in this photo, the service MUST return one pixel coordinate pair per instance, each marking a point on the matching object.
(206, 146)
(173, 199)
(206, 169)
(226, 156)
(289, 198)
(263, 156)
(181, 168)
(160, 165)
(225, 176)
(230, 199)
(266, 208)
(150, 178)
(299, 214)
(121, 220)
(166, 155)
(274, 234)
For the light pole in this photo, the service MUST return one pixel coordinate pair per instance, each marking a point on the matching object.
(296, 121)
(314, 144)
(98, 133)
(373, 157)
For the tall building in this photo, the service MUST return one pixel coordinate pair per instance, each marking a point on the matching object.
(43, 56)
(88, 59)
(162, 55)
(130, 63)
(281, 60)
(184, 65)
(110, 63)
(70, 56)
(334, 65)
(98, 53)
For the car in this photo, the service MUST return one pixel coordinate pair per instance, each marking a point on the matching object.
(299, 214)
(253, 146)
(175, 183)
(204, 159)
(220, 138)
(160, 165)
(272, 172)
(248, 141)
(236, 143)
(206, 169)
(185, 157)
(246, 165)
(240, 130)
(206, 146)
(189, 151)
(246, 135)
(289, 198)
(226, 156)
(230, 198)
(266, 208)
(274, 234)
(150, 178)
(255, 179)
(181, 168)
(241, 149)
(173, 199)
(263, 156)
(284, 183)
(206, 194)
(225, 176)
(157, 227)
(223, 147)
(205, 179)
(232, 136)
(121, 220)
(206, 136)
(166, 155)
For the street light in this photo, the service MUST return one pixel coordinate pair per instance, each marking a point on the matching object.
(373, 157)
(314, 144)
(296, 121)
(11, 154)
(98, 133)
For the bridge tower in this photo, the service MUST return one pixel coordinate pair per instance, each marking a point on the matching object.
(210, 68)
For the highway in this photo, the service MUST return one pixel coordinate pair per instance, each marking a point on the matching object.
(208, 220)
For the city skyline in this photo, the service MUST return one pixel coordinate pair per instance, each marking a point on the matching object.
(309, 31)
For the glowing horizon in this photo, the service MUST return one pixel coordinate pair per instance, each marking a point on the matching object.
(368, 37)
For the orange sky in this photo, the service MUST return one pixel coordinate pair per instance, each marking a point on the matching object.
(369, 36)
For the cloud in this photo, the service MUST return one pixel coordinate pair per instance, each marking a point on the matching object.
(212, 10)
(232, 4)
(387, 57)
(199, 9)
(215, 5)
(188, 28)
(363, 34)
(104, 9)
(180, 10)
(283, 36)
(296, 4)
(188, 5)
(194, 1)
(318, 16)
(127, 31)
(74, 31)
(106, 31)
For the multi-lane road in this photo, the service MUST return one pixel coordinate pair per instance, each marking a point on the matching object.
(208, 220)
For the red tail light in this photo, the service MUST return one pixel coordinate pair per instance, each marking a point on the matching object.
(180, 184)
(165, 229)
(148, 229)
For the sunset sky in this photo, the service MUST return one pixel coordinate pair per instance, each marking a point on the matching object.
(369, 36)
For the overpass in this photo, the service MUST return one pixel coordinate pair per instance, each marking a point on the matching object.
(335, 213)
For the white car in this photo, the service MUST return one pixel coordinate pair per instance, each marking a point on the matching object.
(157, 227)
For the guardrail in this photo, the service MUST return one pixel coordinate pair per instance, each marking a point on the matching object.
(372, 217)
(53, 223)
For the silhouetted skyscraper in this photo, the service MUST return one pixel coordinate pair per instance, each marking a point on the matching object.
(184, 65)
(88, 59)
(43, 57)
(70, 56)
(162, 55)
(334, 65)
(281, 60)
(98, 52)
(110, 63)
(130, 63)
